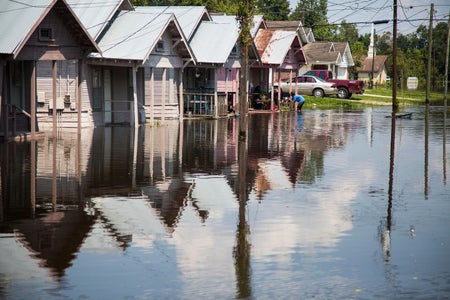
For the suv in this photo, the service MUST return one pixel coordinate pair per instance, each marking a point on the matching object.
(346, 88)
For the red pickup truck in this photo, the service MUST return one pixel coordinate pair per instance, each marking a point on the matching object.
(346, 88)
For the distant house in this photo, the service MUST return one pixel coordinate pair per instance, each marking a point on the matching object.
(378, 65)
(334, 56)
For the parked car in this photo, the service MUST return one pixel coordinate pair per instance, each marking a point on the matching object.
(346, 88)
(307, 85)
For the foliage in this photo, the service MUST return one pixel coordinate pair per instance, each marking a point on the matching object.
(313, 14)
(245, 15)
(412, 48)
(274, 10)
(347, 33)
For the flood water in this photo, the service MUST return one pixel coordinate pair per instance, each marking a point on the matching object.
(325, 204)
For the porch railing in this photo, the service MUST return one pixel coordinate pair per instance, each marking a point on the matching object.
(204, 104)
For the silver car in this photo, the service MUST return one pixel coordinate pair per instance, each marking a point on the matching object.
(308, 85)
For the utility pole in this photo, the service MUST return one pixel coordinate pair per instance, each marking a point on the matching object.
(394, 61)
(245, 18)
(446, 62)
(430, 44)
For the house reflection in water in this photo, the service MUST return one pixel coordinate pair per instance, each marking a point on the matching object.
(135, 186)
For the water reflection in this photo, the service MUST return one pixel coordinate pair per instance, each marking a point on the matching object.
(189, 209)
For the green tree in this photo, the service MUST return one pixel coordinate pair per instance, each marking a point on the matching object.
(313, 14)
(347, 33)
(274, 10)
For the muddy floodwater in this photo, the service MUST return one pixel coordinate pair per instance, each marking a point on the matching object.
(330, 204)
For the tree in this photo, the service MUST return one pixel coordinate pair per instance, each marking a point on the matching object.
(347, 33)
(274, 10)
(313, 14)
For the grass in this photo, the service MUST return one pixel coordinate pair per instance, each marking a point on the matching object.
(374, 97)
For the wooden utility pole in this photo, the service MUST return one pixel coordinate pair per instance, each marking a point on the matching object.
(394, 61)
(245, 18)
(446, 62)
(430, 44)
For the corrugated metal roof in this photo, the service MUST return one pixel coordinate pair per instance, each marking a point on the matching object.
(17, 19)
(214, 41)
(258, 23)
(273, 45)
(95, 14)
(188, 16)
(133, 35)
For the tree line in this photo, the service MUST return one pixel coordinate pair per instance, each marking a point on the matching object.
(412, 48)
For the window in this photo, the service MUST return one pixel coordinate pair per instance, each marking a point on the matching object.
(160, 46)
(97, 88)
(45, 34)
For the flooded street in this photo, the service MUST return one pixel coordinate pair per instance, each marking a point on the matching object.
(316, 205)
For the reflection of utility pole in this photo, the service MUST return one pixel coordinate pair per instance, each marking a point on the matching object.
(425, 167)
(444, 141)
(386, 234)
(33, 177)
(242, 250)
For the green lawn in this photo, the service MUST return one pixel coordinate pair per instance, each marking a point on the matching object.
(373, 97)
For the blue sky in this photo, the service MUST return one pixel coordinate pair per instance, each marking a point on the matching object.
(410, 13)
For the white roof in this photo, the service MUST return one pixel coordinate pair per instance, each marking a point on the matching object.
(133, 35)
(17, 19)
(188, 16)
(214, 41)
(95, 14)
(257, 20)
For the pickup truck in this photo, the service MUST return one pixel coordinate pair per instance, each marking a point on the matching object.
(346, 88)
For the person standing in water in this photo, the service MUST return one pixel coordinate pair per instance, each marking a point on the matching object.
(298, 102)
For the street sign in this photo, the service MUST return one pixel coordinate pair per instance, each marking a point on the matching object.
(412, 83)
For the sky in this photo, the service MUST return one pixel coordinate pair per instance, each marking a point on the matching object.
(410, 13)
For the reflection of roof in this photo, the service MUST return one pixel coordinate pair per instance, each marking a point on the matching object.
(129, 218)
(168, 200)
(56, 237)
(293, 162)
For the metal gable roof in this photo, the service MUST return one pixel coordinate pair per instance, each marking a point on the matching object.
(17, 21)
(273, 45)
(214, 41)
(189, 17)
(95, 14)
(133, 35)
(30, 16)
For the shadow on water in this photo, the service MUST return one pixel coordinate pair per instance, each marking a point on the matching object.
(189, 208)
